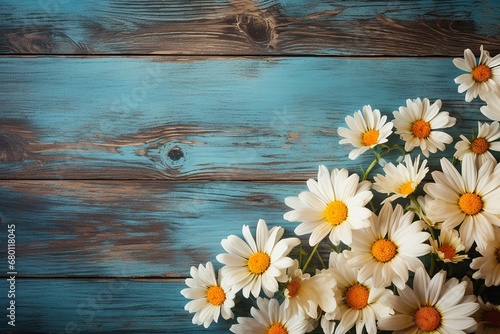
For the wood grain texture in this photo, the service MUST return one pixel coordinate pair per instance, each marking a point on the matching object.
(107, 306)
(409, 28)
(132, 228)
(101, 306)
(234, 119)
(136, 134)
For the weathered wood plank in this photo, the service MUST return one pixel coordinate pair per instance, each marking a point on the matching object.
(108, 306)
(247, 27)
(131, 228)
(100, 306)
(162, 118)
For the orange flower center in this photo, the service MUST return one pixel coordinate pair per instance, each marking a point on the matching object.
(427, 318)
(293, 287)
(481, 73)
(216, 295)
(479, 145)
(421, 129)
(384, 250)
(356, 296)
(448, 251)
(492, 317)
(335, 213)
(277, 328)
(370, 137)
(498, 254)
(470, 204)
(258, 262)
(406, 188)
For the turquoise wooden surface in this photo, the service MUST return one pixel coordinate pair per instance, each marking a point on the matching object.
(102, 306)
(118, 118)
(135, 135)
(131, 228)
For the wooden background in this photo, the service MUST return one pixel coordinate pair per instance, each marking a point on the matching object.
(135, 135)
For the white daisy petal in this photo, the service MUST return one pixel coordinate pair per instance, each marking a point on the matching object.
(465, 199)
(245, 267)
(208, 296)
(270, 314)
(344, 211)
(435, 312)
(417, 124)
(356, 298)
(479, 77)
(392, 253)
(366, 130)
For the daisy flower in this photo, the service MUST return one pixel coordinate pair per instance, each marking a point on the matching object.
(211, 297)
(418, 122)
(304, 294)
(389, 248)
(488, 265)
(469, 199)
(402, 180)
(360, 303)
(449, 246)
(481, 145)
(270, 318)
(488, 318)
(366, 130)
(257, 264)
(482, 78)
(492, 108)
(334, 205)
(432, 306)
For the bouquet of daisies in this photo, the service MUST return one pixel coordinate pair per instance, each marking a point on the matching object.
(377, 264)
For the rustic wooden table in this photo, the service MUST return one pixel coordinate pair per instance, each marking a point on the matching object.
(135, 135)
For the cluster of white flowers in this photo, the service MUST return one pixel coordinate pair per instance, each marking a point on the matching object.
(382, 272)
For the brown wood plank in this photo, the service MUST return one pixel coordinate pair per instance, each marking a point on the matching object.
(411, 28)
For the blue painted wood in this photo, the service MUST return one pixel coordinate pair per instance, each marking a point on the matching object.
(116, 118)
(101, 306)
(247, 27)
(103, 160)
(104, 306)
(131, 228)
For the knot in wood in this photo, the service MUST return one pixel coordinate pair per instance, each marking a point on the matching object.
(175, 153)
(258, 28)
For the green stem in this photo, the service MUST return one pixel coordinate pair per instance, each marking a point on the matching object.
(310, 257)
(321, 260)
(372, 165)
(433, 264)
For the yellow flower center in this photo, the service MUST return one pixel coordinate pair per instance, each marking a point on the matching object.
(481, 73)
(370, 137)
(277, 328)
(492, 317)
(406, 188)
(258, 262)
(470, 204)
(427, 318)
(335, 213)
(421, 129)
(293, 287)
(216, 295)
(356, 296)
(448, 251)
(479, 145)
(384, 250)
